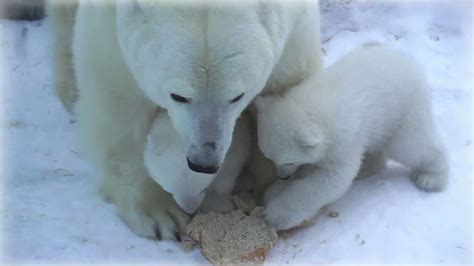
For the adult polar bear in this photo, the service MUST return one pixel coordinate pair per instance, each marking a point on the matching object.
(203, 62)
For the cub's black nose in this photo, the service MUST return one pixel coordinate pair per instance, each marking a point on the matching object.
(202, 169)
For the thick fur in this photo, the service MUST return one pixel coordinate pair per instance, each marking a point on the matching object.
(164, 156)
(61, 17)
(373, 101)
(129, 59)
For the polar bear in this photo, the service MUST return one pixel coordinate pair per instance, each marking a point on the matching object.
(373, 101)
(164, 156)
(204, 62)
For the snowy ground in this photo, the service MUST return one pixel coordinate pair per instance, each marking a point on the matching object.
(50, 212)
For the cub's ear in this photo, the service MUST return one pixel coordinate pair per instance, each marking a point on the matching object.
(309, 136)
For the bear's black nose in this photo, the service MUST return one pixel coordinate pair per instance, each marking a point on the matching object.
(202, 169)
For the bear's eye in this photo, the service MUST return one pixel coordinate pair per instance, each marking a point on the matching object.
(179, 98)
(236, 99)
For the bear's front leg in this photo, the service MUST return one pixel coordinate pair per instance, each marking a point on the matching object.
(146, 208)
(290, 203)
(112, 130)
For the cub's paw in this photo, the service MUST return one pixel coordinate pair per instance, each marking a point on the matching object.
(154, 214)
(429, 182)
(286, 205)
(282, 216)
(275, 190)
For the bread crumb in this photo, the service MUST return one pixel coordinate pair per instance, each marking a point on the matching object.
(188, 244)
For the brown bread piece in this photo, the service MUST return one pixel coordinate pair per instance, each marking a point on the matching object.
(232, 238)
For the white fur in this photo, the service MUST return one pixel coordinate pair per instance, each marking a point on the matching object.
(130, 56)
(373, 101)
(164, 156)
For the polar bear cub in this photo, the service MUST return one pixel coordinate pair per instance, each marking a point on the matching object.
(164, 156)
(371, 105)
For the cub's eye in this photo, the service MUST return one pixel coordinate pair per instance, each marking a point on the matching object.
(179, 98)
(236, 99)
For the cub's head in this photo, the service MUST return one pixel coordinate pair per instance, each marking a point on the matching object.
(286, 134)
(203, 63)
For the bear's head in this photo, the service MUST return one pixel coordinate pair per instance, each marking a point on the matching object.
(287, 135)
(204, 63)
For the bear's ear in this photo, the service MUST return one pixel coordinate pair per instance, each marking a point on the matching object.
(309, 136)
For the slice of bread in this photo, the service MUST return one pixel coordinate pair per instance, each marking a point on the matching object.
(232, 238)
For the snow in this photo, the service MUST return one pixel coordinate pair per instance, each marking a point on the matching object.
(51, 213)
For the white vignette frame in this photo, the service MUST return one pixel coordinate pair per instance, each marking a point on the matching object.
(3, 139)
